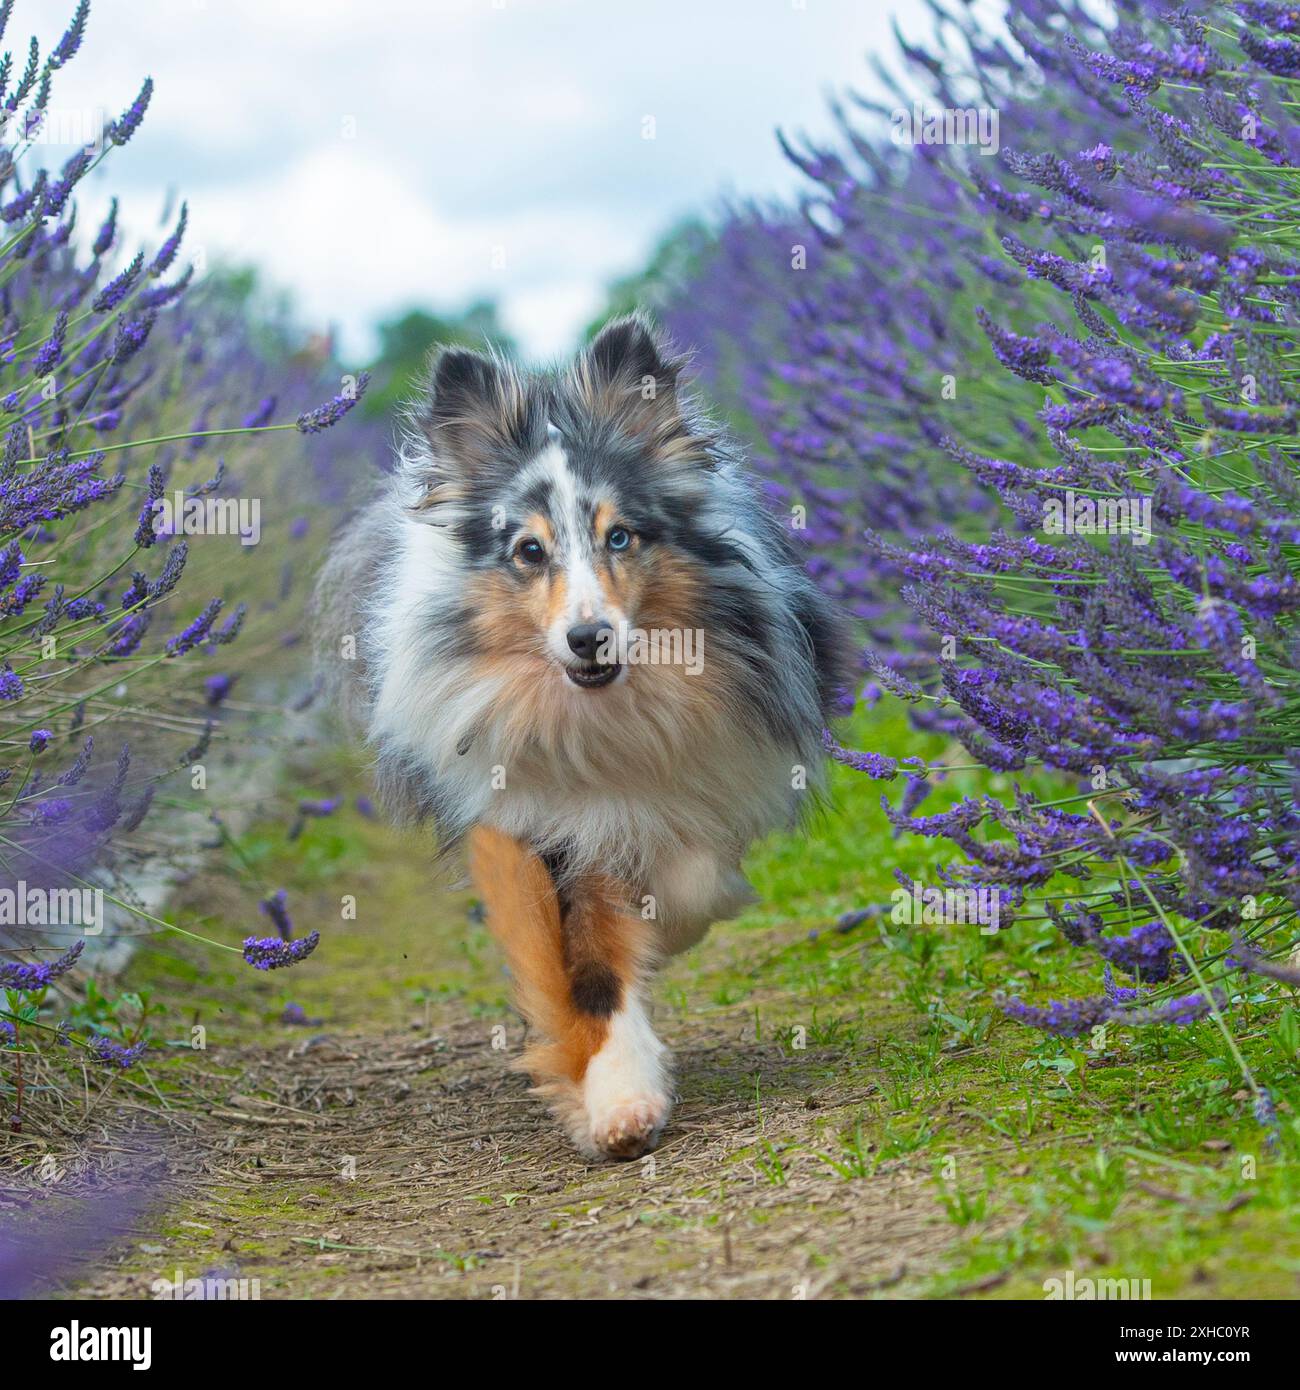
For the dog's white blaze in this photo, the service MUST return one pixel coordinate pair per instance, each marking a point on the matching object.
(545, 465)
(586, 601)
(627, 1080)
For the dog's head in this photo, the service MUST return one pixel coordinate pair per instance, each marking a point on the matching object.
(578, 501)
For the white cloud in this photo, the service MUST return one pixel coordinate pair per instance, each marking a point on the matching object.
(370, 154)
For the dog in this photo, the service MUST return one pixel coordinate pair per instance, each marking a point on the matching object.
(587, 652)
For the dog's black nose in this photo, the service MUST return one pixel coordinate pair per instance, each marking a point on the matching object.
(585, 639)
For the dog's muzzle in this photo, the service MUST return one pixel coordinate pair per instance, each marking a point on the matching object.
(585, 642)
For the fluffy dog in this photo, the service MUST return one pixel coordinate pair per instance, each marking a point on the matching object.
(584, 650)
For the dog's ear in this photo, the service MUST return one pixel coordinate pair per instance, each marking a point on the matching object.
(627, 348)
(630, 375)
(461, 383)
(476, 413)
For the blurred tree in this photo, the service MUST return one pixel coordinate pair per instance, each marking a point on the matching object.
(267, 316)
(405, 343)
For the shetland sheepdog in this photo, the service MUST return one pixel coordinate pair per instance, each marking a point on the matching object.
(590, 656)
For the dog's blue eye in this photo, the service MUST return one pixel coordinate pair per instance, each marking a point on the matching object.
(531, 552)
(619, 538)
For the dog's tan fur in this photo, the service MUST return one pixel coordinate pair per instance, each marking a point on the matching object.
(550, 954)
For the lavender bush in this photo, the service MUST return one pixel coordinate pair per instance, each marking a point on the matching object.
(116, 382)
(1034, 412)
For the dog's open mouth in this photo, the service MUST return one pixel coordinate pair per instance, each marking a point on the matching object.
(592, 677)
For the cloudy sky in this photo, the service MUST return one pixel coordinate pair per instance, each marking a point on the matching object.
(370, 155)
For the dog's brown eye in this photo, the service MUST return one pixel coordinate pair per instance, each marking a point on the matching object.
(530, 551)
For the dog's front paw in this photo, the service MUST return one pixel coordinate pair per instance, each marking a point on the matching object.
(627, 1128)
(626, 1090)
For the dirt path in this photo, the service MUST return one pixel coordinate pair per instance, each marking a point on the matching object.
(386, 1149)
(462, 1187)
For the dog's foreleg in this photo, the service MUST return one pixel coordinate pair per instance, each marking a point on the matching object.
(609, 956)
(579, 977)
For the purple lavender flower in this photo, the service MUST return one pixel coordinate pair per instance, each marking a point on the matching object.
(146, 531)
(276, 908)
(129, 633)
(314, 421)
(1063, 1018)
(189, 637)
(172, 569)
(52, 810)
(262, 415)
(1116, 993)
(162, 262)
(27, 81)
(1070, 1018)
(126, 125)
(58, 192)
(217, 687)
(117, 1055)
(119, 287)
(875, 765)
(1144, 287)
(107, 233)
(27, 978)
(231, 628)
(132, 334)
(312, 809)
(1246, 957)
(1265, 1112)
(77, 769)
(68, 45)
(34, 1260)
(270, 953)
(914, 793)
(51, 354)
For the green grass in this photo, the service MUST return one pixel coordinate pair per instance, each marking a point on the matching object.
(1142, 1155)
